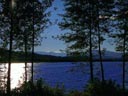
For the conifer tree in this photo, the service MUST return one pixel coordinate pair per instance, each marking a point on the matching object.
(86, 21)
(103, 12)
(17, 26)
(77, 20)
(121, 34)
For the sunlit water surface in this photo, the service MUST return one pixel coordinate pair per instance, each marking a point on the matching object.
(17, 73)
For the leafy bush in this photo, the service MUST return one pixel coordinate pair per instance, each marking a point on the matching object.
(37, 89)
(95, 88)
(106, 88)
(75, 93)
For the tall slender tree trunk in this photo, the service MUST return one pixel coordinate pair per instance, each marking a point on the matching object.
(100, 55)
(10, 58)
(33, 37)
(25, 41)
(90, 49)
(90, 43)
(90, 52)
(99, 44)
(123, 81)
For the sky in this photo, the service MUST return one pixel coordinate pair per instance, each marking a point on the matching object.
(52, 45)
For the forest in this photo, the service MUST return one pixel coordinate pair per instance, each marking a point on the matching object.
(88, 24)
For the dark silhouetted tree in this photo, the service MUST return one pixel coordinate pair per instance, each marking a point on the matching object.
(103, 12)
(78, 21)
(33, 20)
(121, 34)
(20, 28)
(40, 23)
(86, 22)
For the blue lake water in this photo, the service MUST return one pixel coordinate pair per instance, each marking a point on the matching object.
(67, 74)
(73, 76)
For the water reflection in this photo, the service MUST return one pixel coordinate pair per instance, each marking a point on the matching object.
(17, 73)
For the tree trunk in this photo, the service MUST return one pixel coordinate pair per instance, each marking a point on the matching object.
(99, 46)
(100, 55)
(10, 59)
(90, 52)
(90, 49)
(33, 37)
(123, 81)
(25, 41)
(90, 43)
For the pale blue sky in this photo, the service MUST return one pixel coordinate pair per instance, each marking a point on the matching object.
(52, 45)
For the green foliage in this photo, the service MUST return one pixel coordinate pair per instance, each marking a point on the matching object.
(96, 88)
(74, 22)
(81, 19)
(21, 21)
(106, 88)
(120, 30)
(99, 88)
(3, 55)
(86, 22)
(37, 89)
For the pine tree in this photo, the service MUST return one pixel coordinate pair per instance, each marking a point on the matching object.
(18, 24)
(86, 22)
(121, 34)
(77, 20)
(33, 20)
(103, 12)
(41, 23)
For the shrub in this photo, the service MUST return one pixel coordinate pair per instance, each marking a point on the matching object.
(106, 88)
(37, 89)
(95, 88)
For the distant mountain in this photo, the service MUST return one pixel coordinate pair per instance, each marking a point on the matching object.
(52, 54)
(109, 55)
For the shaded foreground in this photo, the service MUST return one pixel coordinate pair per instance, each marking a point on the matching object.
(39, 88)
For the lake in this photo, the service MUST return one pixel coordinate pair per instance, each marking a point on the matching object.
(73, 76)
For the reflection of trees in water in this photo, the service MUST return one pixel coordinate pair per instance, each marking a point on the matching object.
(3, 76)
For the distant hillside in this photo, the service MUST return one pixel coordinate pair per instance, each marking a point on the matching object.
(52, 53)
(107, 55)
(19, 56)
